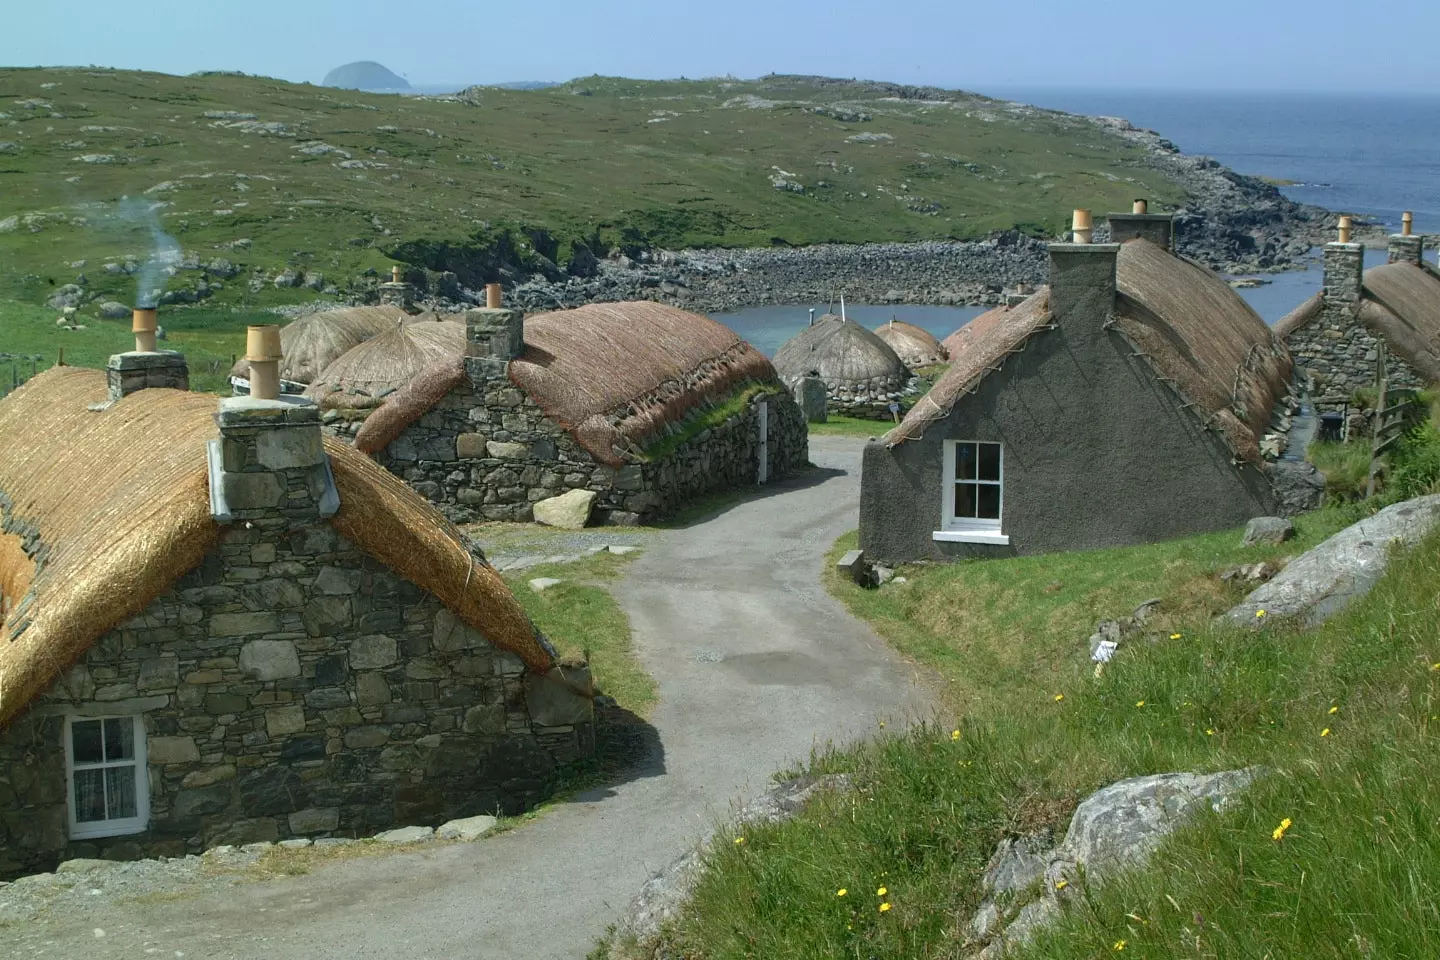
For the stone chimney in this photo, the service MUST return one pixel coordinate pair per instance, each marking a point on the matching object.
(1158, 228)
(1405, 247)
(1344, 268)
(493, 337)
(1082, 277)
(397, 293)
(269, 466)
(145, 367)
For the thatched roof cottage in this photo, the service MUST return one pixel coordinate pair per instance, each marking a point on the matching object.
(862, 373)
(231, 631)
(314, 341)
(640, 407)
(915, 346)
(1123, 403)
(1334, 335)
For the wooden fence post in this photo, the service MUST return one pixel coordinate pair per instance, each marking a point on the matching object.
(1377, 432)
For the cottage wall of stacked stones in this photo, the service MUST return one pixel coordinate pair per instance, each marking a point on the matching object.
(867, 399)
(1335, 346)
(487, 451)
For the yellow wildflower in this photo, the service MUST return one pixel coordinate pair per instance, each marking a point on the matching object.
(841, 892)
(884, 907)
(739, 840)
(1325, 732)
(1061, 884)
(1059, 697)
(1139, 703)
(1209, 732)
(1279, 832)
(1334, 710)
(882, 891)
(1175, 636)
(955, 734)
(1259, 614)
(1119, 945)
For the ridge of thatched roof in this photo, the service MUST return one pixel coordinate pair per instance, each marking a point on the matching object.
(309, 344)
(1403, 306)
(976, 349)
(1203, 339)
(409, 403)
(1300, 316)
(102, 512)
(915, 346)
(840, 352)
(615, 375)
(369, 372)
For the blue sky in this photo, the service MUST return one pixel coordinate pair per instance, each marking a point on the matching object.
(1319, 45)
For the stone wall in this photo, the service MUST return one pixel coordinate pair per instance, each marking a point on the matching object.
(1341, 353)
(292, 686)
(488, 452)
(867, 399)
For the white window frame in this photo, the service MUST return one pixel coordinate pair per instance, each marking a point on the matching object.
(109, 828)
(955, 529)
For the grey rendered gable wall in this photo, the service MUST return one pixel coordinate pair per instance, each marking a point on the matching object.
(1098, 453)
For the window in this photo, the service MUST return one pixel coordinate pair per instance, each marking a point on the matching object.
(973, 498)
(105, 763)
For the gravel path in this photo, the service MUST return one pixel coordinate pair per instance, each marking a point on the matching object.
(756, 664)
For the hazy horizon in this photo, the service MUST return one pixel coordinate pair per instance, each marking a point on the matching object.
(1236, 46)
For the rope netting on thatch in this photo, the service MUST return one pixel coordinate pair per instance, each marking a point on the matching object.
(1203, 340)
(916, 347)
(313, 342)
(369, 372)
(1408, 316)
(409, 403)
(616, 374)
(976, 349)
(114, 507)
(840, 352)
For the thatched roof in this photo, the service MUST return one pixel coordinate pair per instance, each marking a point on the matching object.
(1196, 333)
(311, 343)
(1403, 307)
(615, 375)
(976, 349)
(916, 347)
(1300, 316)
(840, 352)
(114, 507)
(369, 372)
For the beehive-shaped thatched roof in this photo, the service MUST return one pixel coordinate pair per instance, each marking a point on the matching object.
(613, 375)
(102, 512)
(915, 346)
(843, 354)
(1194, 331)
(313, 342)
(366, 374)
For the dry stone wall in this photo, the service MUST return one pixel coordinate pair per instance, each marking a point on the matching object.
(1341, 352)
(292, 686)
(488, 452)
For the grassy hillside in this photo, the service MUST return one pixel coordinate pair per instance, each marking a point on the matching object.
(268, 175)
(1344, 718)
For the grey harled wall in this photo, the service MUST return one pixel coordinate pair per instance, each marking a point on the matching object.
(1098, 452)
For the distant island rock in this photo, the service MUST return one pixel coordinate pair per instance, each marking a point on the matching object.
(364, 75)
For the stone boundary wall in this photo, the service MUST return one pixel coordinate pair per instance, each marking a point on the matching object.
(292, 686)
(488, 452)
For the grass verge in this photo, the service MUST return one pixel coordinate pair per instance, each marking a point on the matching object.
(1344, 718)
(841, 426)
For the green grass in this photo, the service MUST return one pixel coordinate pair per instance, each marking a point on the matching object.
(837, 425)
(1357, 875)
(1346, 467)
(706, 417)
(512, 176)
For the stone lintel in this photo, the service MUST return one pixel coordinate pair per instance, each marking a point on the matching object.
(241, 412)
(112, 708)
(137, 360)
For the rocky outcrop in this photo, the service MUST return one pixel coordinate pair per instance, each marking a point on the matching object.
(1115, 828)
(1328, 578)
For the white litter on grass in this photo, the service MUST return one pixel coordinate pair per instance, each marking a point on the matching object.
(1104, 650)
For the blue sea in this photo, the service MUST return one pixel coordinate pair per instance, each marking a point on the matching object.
(1369, 155)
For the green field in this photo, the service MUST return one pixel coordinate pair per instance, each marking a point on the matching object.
(331, 182)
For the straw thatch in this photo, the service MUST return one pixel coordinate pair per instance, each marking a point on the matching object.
(1204, 340)
(1403, 307)
(615, 375)
(1300, 316)
(976, 349)
(841, 353)
(409, 403)
(914, 346)
(313, 342)
(114, 507)
(368, 373)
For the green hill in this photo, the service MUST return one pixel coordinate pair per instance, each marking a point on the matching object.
(268, 175)
(365, 75)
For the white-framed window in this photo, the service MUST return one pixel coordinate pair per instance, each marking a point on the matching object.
(109, 788)
(973, 494)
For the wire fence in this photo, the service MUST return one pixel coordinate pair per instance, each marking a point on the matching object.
(17, 368)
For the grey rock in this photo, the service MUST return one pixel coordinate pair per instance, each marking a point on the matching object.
(470, 828)
(114, 310)
(558, 697)
(406, 835)
(270, 659)
(314, 820)
(1325, 580)
(1268, 530)
(1018, 862)
(1298, 486)
(541, 584)
(569, 511)
(621, 550)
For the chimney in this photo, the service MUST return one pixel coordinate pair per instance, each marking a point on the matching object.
(1344, 268)
(1405, 247)
(493, 296)
(1141, 205)
(1082, 227)
(1082, 278)
(1158, 228)
(493, 337)
(269, 465)
(145, 367)
(397, 293)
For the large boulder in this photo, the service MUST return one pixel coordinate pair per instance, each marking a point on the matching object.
(1298, 486)
(1268, 530)
(1325, 580)
(569, 511)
